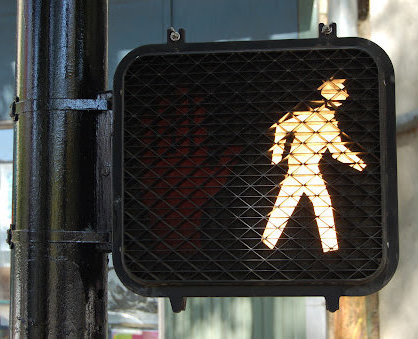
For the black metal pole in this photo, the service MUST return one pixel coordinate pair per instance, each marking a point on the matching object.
(59, 274)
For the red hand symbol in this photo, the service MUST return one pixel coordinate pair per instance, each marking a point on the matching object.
(180, 180)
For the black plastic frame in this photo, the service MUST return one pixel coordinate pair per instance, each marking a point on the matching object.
(330, 289)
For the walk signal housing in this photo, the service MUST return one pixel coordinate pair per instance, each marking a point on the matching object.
(263, 168)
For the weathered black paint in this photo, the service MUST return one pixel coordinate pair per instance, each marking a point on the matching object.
(59, 287)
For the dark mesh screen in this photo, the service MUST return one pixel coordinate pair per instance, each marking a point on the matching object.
(199, 183)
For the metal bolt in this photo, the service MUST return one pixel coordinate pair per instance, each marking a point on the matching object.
(105, 171)
(174, 35)
(9, 237)
(326, 29)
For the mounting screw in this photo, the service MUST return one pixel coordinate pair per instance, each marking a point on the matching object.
(13, 114)
(10, 235)
(326, 29)
(174, 35)
(105, 171)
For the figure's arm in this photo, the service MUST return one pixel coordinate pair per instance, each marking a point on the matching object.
(280, 132)
(279, 144)
(343, 154)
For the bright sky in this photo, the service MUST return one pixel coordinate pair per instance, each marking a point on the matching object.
(6, 144)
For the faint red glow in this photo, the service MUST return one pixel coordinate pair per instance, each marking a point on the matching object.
(180, 179)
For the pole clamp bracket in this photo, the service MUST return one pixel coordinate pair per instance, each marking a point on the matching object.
(103, 102)
(101, 239)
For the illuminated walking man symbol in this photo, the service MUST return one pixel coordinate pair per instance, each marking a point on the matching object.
(313, 131)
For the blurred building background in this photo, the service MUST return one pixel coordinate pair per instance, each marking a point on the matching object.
(389, 23)
(392, 25)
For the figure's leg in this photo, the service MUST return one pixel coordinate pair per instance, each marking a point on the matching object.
(319, 196)
(289, 195)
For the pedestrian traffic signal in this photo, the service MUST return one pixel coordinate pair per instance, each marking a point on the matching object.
(261, 168)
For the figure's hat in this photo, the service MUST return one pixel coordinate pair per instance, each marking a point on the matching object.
(333, 90)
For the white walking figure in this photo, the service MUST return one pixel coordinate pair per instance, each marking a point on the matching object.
(313, 131)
